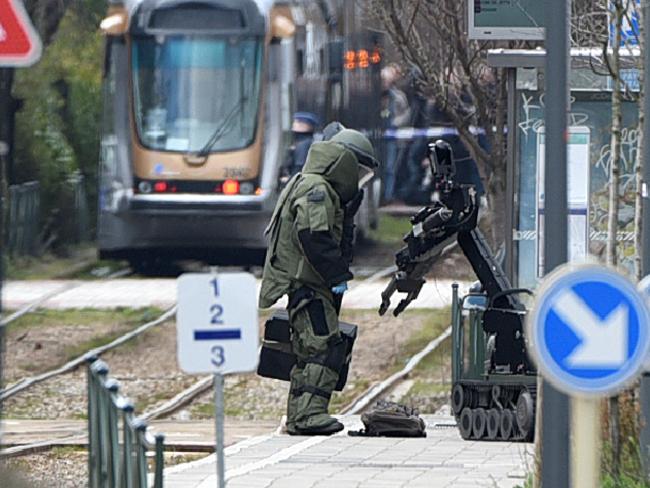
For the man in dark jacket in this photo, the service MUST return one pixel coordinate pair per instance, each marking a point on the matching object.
(304, 125)
(308, 259)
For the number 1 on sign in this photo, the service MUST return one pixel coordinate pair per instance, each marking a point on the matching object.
(215, 286)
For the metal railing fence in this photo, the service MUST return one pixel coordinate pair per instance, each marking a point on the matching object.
(23, 224)
(82, 231)
(118, 441)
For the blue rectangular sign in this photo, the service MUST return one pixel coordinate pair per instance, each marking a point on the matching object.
(217, 335)
(630, 27)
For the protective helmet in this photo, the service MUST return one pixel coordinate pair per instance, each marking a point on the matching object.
(359, 144)
(332, 129)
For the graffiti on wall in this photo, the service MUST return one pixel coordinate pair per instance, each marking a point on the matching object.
(596, 115)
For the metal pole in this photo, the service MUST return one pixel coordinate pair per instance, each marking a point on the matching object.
(160, 461)
(455, 368)
(585, 422)
(645, 233)
(218, 407)
(511, 161)
(555, 405)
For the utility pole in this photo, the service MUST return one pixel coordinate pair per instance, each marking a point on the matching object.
(555, 405)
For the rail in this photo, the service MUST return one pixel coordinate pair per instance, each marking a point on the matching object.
(112, 464)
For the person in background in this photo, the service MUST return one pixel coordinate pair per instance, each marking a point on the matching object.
(303, 128)
(395, 113)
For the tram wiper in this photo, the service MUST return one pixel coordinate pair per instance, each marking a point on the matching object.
(222, 129)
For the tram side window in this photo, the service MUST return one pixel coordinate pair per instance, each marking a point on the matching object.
(300, 62)
(108, 141)
(109, 89)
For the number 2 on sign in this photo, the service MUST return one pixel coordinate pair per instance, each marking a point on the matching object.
(217, 311)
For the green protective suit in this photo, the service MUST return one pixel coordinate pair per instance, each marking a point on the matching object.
(304, 261)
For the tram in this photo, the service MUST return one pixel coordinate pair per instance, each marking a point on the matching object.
(198, 104)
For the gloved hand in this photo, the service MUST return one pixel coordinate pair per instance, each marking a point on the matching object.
(340, 289)
(352, 207)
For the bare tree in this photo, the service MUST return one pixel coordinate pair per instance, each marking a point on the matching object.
(452, 71)
(640, 11)
(592, 28)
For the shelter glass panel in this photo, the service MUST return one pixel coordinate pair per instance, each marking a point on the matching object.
(589, 159)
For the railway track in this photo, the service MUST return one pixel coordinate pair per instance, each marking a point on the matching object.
(44, 298)
(200, 387)
(26, 383)
(184, 398)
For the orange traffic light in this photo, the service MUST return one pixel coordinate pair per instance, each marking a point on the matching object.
(364, 58)
(350, 59)
(375, 57)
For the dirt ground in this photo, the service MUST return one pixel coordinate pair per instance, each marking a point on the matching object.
(148, 373)
(43, 340)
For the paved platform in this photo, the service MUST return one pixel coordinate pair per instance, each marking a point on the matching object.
(440, 460)
(135, 293)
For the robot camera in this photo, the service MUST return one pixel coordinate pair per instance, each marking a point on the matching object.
(441, 156)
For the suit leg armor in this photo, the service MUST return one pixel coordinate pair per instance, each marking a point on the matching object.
(320, 352)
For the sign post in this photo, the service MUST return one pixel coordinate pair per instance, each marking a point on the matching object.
(589, 330)
(217, 332)
(554, 404)
(218, 419)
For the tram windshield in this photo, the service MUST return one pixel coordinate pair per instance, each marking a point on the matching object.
(185, 87)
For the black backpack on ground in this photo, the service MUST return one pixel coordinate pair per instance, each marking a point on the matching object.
(390, 419)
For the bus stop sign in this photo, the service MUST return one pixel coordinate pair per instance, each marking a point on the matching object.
(588, 330)
(20, 45)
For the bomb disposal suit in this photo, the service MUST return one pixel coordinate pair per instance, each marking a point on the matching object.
(308, 259)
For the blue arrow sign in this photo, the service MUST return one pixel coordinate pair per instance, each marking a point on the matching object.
(589, 330)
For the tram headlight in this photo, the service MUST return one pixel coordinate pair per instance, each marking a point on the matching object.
(246, 188)
(144, 187)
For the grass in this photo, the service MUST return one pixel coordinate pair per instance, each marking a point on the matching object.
(528, 483)
(438, 320)
(80, 263)
(48, 265)
(127, 319)
(84, 316)
(390, 230)
(429, 376)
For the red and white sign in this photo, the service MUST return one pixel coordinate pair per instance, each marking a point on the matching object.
(20, 44)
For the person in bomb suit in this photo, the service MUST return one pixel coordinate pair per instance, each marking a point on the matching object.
(308, 259)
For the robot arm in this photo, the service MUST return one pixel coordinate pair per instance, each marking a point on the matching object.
(434, 229)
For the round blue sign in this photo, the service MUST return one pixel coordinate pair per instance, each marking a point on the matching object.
(588, 330)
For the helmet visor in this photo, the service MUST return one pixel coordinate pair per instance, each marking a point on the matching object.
(365, 175)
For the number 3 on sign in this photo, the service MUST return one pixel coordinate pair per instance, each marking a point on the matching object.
(218, 356)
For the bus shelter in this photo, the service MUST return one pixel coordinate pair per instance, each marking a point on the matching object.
(589, 159)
